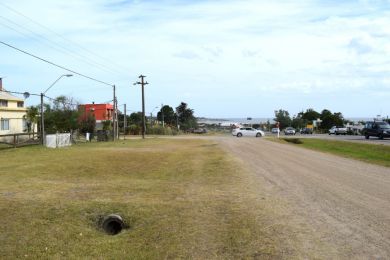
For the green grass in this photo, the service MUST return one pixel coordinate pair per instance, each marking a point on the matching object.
(371, 153)
(179, 199)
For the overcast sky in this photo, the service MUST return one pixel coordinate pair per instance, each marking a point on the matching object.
(224, 58)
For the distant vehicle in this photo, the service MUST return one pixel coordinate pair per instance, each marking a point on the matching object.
(247, 131)
(338, 130)
(275, 130)
(307, 131)
(200, 131)
(377, 128)
(289, 131)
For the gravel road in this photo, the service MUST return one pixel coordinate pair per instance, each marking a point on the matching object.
(340, 207)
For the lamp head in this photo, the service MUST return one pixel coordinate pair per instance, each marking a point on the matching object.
(68, 75)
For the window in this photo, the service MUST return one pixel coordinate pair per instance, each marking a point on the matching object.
(4, 124)
(20, 103)
(3, 103)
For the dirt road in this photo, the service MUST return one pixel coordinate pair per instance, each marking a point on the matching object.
(340, 207)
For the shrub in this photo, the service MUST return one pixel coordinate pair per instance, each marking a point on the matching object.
(293, 140)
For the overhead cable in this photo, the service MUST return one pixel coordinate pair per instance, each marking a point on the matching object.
(55, 65)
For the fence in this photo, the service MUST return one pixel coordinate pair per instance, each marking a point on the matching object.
(18, 140)
(58, 140)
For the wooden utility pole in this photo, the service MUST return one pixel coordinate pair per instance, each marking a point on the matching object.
(114, 114)
(143, 83)
(42, 122)
(124, 123)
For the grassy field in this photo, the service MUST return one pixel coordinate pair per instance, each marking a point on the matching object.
(371, 153)
(179, 199)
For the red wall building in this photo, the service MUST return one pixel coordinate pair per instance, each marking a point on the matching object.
(101, 112)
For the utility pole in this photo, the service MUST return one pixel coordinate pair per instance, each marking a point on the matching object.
(143, 83)
(124, 124)
(42, 122)
(117, 119)
(114, 114)
(162, 113)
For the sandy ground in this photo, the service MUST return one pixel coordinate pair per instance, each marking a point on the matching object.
(340, 207)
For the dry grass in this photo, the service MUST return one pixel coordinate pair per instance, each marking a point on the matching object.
(179, 199)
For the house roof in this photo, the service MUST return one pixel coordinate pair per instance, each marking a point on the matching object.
(7, 96)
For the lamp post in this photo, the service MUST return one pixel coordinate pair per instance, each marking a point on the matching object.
(151, 115)
(42, 114)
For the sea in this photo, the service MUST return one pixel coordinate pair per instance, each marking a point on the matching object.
(259, 120)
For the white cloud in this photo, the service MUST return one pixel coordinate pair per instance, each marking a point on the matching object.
(226, 50)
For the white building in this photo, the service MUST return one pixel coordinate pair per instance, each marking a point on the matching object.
(12, 113)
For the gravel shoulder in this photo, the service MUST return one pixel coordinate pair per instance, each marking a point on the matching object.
(339, 207)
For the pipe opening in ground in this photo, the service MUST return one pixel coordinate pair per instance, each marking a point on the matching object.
(113, 224)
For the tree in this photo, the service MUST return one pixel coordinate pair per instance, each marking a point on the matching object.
(329, 119)
(169, 115)
(32, 118)
(61, 116)
(310, 115)
(88, 124)
(283, 117)
(186, 117)
(298, 122)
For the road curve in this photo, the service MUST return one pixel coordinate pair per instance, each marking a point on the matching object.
(343, 204)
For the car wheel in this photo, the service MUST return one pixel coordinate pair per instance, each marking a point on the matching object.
(380, 136)
(367, 136)
(258, 135)
(239, 135)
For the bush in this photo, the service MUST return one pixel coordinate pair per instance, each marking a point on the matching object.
(293, 140)
(159, 130)
(134, 129)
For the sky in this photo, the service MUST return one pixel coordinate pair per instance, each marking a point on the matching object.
(224, 58)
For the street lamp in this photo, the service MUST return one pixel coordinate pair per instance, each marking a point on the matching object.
(151, 114)
(42, 115)
(65, 75)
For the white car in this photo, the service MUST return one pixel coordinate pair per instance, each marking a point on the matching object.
(247, 131)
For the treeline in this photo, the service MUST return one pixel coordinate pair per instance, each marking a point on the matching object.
(168, 121)
(62, 115)
(325, 120)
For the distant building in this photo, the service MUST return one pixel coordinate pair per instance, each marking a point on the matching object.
(12, 113)
(101, 112)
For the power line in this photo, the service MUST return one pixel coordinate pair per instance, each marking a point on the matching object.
(62, 37)
(55, 46)
(56, 65)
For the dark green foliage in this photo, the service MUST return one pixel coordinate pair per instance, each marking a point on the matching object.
(329, 119)
(169, 115)
(61, 116)
(293, 140)
(186, 117)
(107, 125)
(283, 117)
(32, 118)
(88, 124)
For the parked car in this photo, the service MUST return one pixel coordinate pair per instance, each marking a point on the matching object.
(377, 128)
(200, 131)
(289, 131)
(338, 130)
(307, 131)
(247, 131)
(275, 130)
